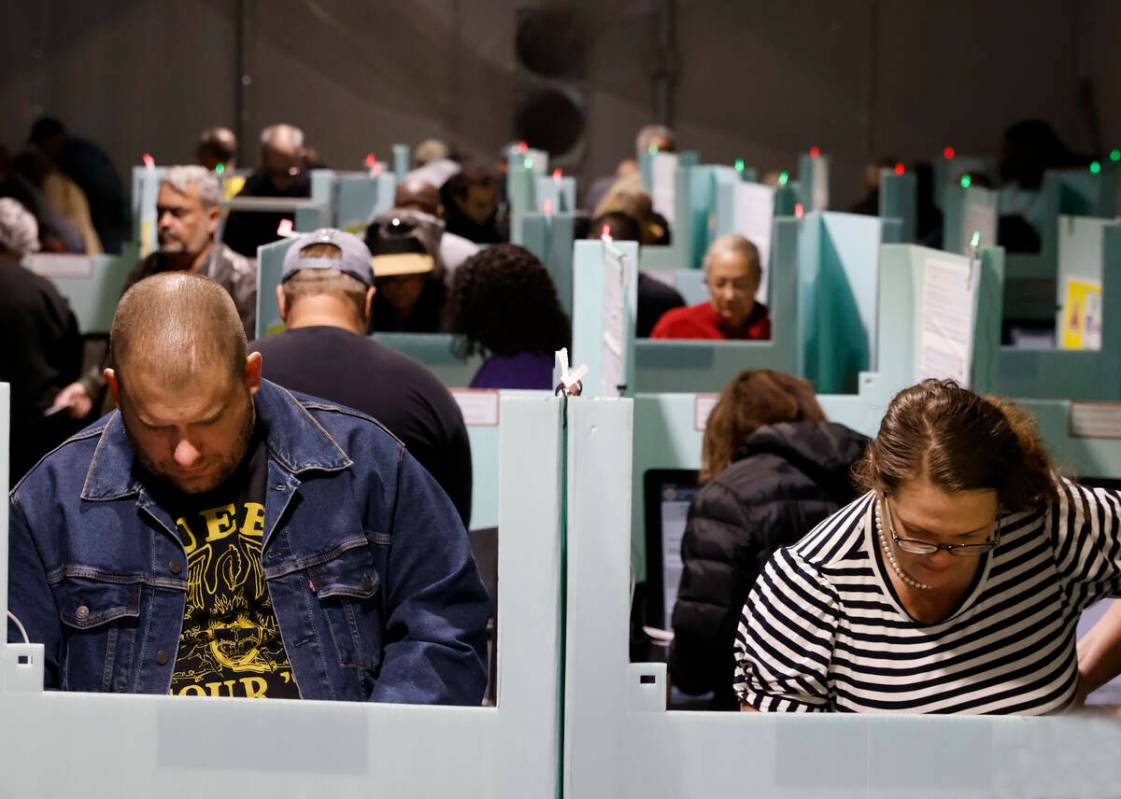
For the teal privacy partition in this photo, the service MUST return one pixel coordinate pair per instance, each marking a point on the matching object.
(357, 197)
(813, 180)
(899, 200)
(673, 193)
(190, 747)
(605, 281)
(550, 237)
(92, 284)
(621, 743)
(435, 350)
(1094, 249)
(400, 161)
(838, 278)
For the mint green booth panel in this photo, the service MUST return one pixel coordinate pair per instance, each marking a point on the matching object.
(550, 237)
(609, 354)
(400, 161)
(1076, 374)
(679, 253)
(190, 747)
(813, 182)
(92, 284)
(899, 200)
(948, 172)
(838, 274)
(621, 743)
(357, 197)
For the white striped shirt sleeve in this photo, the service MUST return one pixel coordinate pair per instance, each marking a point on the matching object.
(784, 645)
(1085, 527)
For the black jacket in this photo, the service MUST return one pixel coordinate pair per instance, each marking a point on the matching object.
(783, 481)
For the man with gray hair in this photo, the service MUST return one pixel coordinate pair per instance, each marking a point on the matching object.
(282, 174)
(187, 217)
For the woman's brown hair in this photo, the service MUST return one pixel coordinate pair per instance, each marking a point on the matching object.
(754, 398)
(959, 441)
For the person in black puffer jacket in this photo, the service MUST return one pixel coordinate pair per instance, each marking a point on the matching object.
(773, 467)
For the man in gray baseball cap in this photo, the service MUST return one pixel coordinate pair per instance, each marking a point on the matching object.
(325, 297)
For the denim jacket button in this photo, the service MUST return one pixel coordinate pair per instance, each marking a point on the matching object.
(162, 657)
(175, 567)
(82, 613)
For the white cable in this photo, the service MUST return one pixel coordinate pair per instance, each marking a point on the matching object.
(22, 631)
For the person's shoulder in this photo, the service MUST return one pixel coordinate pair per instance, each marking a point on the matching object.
(677, 321)
(838, 538)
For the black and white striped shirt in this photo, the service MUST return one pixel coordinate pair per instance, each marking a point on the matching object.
(823, 628)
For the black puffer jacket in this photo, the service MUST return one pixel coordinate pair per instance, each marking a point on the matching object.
(783, 481)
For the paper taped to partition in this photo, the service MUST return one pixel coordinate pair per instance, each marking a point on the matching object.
(754, 214)
(664, 190)
(947, 315)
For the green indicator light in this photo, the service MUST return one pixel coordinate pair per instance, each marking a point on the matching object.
(739, 165)
(966, 181)
(528, 163)
(1115, 155)
(220, 168)
(1095, 167)
(653, 149)
(975, 241)
(783, 178)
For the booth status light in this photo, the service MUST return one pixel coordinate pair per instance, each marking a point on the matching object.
(815, 152)
(1095, 167)
(900, 169)
(1115, 156)
(783, 178)
(739, 165)
(966, 181)
(948, 153)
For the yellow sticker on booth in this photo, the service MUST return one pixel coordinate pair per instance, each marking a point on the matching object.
(1082, 316)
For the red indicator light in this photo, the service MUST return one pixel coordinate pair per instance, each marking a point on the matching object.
(948, 153)
(371, 160)
(799, 211)
(606, 233)
(815, 152)
(900, 169)
(522, 146)
(557, 174)
(149, 161)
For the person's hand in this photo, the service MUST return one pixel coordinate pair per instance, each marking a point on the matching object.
(75, 399)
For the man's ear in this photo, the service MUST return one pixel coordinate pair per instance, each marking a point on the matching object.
(114, 386)
(213, 216)
(370, 292)
(252, 373)
(282, 303)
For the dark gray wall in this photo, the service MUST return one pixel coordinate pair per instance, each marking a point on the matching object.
(758, 80)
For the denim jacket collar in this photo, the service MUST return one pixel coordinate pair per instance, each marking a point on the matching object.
(295, 440)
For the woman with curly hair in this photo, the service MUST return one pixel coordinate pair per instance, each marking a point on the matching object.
(504, 305)
(954, 585)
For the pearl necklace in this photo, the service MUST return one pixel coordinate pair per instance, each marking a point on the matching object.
(895, 567)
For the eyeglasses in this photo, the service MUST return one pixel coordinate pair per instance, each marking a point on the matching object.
(916, 547)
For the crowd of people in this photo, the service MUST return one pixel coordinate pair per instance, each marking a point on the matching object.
(201, 512)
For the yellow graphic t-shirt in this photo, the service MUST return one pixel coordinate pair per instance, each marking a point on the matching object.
(230, 644)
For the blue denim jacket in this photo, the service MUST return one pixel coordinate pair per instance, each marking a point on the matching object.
(367, 564)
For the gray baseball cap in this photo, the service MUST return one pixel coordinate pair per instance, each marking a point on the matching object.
(355, 260)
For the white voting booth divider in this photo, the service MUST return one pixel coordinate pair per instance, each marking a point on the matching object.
(93, 745)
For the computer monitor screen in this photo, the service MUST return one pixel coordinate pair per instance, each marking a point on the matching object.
(668, 493)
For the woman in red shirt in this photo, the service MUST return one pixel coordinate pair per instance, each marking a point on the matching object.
(733, 274)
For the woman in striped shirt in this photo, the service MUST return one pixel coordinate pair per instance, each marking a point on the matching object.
(953, 586)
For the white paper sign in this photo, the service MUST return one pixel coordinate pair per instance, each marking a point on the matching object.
(754, 214)
(702, 407)
(72, 266)
(478, 406)
(611, 373)
(664, 168)
(946, 341)
(1095, 420)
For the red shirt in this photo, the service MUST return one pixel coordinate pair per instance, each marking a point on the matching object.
(702, 321)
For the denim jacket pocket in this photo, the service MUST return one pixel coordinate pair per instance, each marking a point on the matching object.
(347, 587)
(100, 619)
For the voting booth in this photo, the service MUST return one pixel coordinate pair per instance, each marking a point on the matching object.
(55, 744)
(621, 742)
(91, 284)
(1087, 324)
